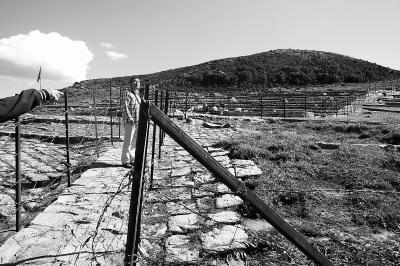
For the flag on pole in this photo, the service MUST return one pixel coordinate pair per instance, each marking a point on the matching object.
(40, 71)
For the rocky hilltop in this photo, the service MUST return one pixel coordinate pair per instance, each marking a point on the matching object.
(282, 67)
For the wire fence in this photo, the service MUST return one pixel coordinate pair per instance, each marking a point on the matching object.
(184, 209)
(278, 104)
(38, 161)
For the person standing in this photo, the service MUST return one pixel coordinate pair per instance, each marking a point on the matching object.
(130, 115)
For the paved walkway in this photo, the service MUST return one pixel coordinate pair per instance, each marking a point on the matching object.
(185, 218)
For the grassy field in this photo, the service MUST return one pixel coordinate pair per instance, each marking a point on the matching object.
(345, 201)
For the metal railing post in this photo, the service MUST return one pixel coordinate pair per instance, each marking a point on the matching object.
(133, 236)
(160, 135)
(67, 137)
(186, 104)
(95, 122)
(120, 114)
(111, 117)
(153, 144)
(284, 108)
(18, 204)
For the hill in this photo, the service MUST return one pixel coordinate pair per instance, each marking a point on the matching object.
(283, 67)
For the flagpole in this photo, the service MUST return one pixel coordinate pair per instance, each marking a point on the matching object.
(39, 78)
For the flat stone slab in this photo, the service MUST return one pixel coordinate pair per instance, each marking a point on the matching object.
(248, 171)
(184, 223)
(212, 125)
(180, 171)
(227, 238)
(228, 217)
(7, 206)
(257, 225)
(178, 249)
(176, 208)
(228, 200)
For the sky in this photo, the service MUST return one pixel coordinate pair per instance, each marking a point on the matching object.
(77, 40)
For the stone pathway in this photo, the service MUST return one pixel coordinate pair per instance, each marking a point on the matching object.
(187, 217)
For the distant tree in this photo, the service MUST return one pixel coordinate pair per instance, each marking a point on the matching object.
(233, 80)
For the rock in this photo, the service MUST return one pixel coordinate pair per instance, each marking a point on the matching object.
(41, 180)
(55, 175)
(227, 125)
(229, 237)
(8, 250)
(7, 206)
(228, 200)
(180, 171)
(202, 178)
(205, 204)
(328, 146)
(156, 230)
(224, 217)
(36, 191)
(219, 153)
(29, 206)
(211, 125)
(183, 223)
(248, 171)
(174, 208)
(221, 159)
(178, 164)
(178, 249)
(242, 163)
(55, 220)
(182, 181)
(44, 168)
(222, 188)
(257, 225)
(177, 114)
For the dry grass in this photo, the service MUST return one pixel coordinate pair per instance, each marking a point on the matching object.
(344, 201)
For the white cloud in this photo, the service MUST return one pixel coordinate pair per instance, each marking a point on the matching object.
(115, 56)
(61, 58)
(107, 45)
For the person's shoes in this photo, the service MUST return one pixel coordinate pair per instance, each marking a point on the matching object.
(127, 165)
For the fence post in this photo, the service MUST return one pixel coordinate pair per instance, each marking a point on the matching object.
(284, 108)
(111, 117)
(18, 204)
(67, 137)
(133, 236)
(261, 107)
(186, 104)
(166, 103)
(160, 135)
(120, 113)
(175, 101)
(336, 106)
(305, 106)
(95, 122)
(153, 144)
